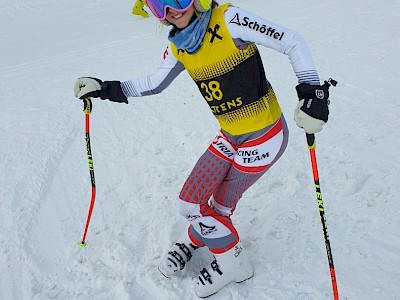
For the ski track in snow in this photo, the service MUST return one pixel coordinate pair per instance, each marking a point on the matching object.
(143, 152)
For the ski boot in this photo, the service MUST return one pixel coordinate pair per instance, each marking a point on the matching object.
(231, 266)
(177, 257)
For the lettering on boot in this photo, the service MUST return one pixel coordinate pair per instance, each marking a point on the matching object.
(238, 249)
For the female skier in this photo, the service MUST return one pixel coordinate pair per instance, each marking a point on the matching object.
(216, 45)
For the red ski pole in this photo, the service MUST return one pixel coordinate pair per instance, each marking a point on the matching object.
(87, 110)
(312, 146)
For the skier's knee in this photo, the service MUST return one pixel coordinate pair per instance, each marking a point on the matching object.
(188, 210)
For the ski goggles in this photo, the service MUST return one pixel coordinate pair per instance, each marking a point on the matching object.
(159, 7)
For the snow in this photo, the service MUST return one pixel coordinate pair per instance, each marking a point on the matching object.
(144, 151)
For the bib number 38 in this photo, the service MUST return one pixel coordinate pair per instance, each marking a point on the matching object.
(212, 90)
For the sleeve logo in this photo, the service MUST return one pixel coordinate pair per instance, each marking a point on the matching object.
(245, 21)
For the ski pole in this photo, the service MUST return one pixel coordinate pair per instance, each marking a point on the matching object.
(312, 146)
(87, 110)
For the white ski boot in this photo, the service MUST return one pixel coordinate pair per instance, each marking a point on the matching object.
(233, 265)
(177, 257)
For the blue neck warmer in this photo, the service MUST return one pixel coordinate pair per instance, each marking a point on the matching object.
(191, 37)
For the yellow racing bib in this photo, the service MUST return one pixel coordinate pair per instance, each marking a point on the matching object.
(231, 80)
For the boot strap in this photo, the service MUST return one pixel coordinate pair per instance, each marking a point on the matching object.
(185, 250)
(178, 258)
(215, 267)
(204, 273)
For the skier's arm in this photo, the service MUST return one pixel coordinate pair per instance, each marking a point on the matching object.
(117, 91)
(312, 110)
(247, 27)
(156, 82)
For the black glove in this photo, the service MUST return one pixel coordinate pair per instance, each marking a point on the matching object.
(315, 102)
(86, 87)
(312, 110)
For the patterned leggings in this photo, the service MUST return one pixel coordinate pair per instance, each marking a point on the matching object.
(223, 173)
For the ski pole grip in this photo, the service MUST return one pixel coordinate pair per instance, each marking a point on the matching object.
(87, 105)
(310, 140)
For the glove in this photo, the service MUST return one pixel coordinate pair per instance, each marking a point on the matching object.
(86, 87)
(312, 110)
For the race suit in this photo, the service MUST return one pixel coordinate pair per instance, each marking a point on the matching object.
(229, 74)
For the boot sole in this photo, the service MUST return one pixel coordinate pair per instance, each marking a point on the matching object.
(159, 269)
(245, 279)
(226, 285)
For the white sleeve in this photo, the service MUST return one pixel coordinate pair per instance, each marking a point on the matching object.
(248, 27)
(156, 82)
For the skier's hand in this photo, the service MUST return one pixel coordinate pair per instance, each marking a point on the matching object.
(92, 87)
(312, 110)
